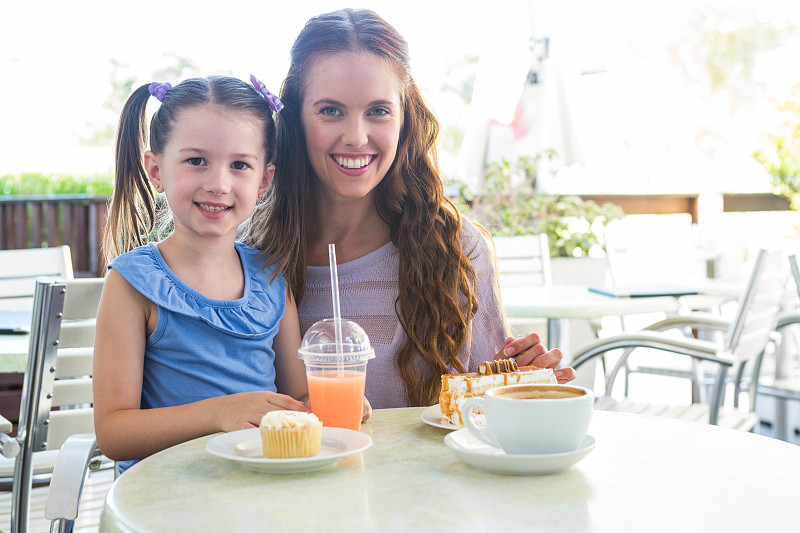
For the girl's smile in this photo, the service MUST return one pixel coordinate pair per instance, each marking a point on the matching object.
(213, 210)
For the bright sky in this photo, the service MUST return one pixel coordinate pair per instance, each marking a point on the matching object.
(55, 57)
(634, 119)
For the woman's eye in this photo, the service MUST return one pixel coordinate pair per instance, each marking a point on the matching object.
(332, 111)
(240, 165)
(196, 161)
(380, 111)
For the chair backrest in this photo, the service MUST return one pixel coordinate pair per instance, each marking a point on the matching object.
(523, 260)
(57, 389)
(759, 305)
(20, 268)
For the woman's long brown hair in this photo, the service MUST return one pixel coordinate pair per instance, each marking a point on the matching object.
(437, 296)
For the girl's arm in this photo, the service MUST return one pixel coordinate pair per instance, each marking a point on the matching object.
(124, 431)
(290, 370)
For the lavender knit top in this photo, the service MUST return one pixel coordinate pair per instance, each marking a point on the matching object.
(368, 291)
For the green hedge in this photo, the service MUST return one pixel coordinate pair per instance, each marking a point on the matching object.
(35, 183)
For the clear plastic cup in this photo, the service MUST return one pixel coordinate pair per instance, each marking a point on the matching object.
(336, 374)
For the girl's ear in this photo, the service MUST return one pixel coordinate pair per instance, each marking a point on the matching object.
(153, 170)
(266, 180)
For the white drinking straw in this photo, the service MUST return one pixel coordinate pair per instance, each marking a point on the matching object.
(337, 312)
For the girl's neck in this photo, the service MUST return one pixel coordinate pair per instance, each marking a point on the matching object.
(212, 267)
(353, 225)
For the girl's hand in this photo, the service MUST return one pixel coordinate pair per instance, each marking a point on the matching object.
(366, 410)
(246, 409)
(530, 351)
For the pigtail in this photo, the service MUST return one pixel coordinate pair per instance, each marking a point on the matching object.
(132, 210)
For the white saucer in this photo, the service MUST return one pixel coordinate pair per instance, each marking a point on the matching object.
(244, 447)
(433, 416)
(495, 460)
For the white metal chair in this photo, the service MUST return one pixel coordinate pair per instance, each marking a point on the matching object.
(746, 337)
(523, 260)
(20, 268)
(785, 384)
(56, 403)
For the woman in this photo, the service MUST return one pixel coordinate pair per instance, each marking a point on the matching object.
(357, 160)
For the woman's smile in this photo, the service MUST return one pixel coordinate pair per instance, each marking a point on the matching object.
(352, 162)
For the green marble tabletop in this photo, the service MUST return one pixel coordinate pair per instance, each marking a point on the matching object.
(645, 474)
(14, 348)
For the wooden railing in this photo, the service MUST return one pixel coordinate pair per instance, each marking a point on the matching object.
(663, 204)
(78, 220)
(75, 220)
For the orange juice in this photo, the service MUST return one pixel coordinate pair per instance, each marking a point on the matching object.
(335, 399)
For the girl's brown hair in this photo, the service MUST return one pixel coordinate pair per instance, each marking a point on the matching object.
(437, 281)
(134, 214)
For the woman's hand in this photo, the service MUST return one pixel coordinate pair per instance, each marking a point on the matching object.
(530, 351)
(246, 409)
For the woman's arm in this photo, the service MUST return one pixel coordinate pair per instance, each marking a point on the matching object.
(490, 322)
(124, 431)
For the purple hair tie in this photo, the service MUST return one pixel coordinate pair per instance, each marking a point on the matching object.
(159, 90)
(274, 102)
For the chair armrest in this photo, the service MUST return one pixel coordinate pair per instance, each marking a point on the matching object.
(788, 318)
(686, 346)
(69, 474)
(697, 320)
(689, 346)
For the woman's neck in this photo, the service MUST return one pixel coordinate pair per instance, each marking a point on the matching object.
(354, 226)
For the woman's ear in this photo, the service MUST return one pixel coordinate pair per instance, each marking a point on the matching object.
(266, 180)
(151, 166)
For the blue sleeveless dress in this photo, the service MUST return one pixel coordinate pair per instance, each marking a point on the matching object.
(203, 348)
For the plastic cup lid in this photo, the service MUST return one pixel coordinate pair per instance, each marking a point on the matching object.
(319, 343)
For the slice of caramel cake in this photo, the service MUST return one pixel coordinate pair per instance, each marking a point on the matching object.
(456, 388)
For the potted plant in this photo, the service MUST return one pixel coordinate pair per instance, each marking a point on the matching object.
(511, 206)
(784, 164)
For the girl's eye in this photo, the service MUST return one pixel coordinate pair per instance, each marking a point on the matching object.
(331, 111)
(240, 165)
(380, 111)
(196, 161)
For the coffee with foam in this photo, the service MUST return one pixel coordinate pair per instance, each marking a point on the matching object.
(540, 393)
(532, 419)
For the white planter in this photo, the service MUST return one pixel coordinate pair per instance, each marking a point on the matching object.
(580, 270)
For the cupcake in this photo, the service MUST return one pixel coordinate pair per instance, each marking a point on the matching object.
(286, 434)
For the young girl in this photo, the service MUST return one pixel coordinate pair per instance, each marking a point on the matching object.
(359, 165)
(196, 333)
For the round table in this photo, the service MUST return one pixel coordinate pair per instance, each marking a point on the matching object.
(645, 474)
(558, 303)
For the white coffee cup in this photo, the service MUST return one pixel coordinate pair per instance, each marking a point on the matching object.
(532, 419)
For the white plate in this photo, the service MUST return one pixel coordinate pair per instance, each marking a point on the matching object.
(433, 415)
(495, 460)
(244, 447)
